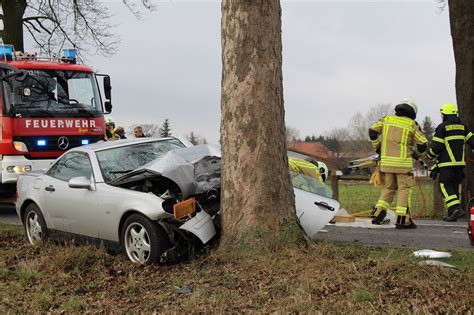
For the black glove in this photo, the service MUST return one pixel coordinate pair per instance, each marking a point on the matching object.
(434, 171)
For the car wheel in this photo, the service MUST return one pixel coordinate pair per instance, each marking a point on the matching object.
(143, 241)
(35, 226)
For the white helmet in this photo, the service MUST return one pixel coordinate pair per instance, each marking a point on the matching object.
(410, 102)
(323, 169)
(109, 120)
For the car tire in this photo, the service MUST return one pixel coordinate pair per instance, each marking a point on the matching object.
(143, 241)
(35, 225)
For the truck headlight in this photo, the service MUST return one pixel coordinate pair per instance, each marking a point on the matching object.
(20, 146)
(18, 169)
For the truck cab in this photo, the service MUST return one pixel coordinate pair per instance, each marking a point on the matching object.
(47, 106)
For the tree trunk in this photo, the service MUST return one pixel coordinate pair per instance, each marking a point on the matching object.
(461, 13)
(256, 188)
(13, 22)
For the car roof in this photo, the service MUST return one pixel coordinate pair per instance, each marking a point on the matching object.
(104, 145)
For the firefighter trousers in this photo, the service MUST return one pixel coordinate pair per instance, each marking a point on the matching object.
(450, 179)
(396, 182)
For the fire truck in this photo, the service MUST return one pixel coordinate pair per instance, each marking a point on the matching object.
(47, 106)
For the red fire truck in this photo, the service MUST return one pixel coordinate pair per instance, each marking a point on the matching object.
(47, 106)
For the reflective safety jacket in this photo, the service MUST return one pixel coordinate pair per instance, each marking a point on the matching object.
(449, 142)
(304, 167)
(397, 138)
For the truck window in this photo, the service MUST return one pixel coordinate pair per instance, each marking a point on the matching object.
(52, 93)
(80, 89)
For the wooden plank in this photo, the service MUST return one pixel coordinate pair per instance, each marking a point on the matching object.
(343, 218)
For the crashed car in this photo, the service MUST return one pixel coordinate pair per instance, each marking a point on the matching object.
(154, 199)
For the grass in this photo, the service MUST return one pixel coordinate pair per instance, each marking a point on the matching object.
(286, 277)
(360, 196)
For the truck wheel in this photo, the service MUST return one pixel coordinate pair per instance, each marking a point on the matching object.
(35, 226)
(143, 241)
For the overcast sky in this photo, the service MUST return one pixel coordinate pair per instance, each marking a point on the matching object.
(339, 57)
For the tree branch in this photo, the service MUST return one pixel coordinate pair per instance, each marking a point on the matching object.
(34, 37)
(31, 24)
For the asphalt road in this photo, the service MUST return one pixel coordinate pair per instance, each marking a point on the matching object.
(8, 215)
(430, 234)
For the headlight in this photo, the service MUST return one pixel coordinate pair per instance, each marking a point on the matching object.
(18, 169)
(20, 146)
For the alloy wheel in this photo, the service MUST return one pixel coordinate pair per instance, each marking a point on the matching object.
(33, 228)
(137, 243)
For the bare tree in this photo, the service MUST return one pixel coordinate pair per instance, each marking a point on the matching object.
(256, 188)
(56, 24)
(291, 134)
(360, 123)
(149, 130)
(461, 14)
(377, 112)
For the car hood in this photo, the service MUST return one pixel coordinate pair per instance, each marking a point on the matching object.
(195, 169)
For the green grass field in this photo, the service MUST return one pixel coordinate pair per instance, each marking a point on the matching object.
(361, 196)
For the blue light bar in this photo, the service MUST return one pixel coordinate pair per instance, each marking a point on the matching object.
(6, 52)
(70, 53)
(41, 143)
(84, 141)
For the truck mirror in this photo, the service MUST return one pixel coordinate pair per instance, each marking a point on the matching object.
(107, 92)
(108, 107)
(107, 88)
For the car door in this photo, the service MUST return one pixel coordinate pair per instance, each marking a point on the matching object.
(71, 210)
(313, 203)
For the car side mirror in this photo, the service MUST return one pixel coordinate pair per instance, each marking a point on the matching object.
(80, 182)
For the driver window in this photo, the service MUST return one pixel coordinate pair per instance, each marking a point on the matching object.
(80, 90)
(72, 165)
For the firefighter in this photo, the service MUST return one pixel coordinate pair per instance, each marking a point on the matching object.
(110, 133)
(448, 146)
(397, 138)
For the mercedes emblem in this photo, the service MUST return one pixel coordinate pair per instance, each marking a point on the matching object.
(63, 143)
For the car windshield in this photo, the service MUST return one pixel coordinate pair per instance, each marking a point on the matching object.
(116, 162)
(46, 92)
(310, 184)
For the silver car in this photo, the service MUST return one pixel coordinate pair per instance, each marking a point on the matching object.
(148, 197)
(152, 198)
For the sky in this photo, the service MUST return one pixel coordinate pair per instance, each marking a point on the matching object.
(339, 58)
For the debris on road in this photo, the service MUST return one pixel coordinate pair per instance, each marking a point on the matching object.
(436, 263)
(429, 253)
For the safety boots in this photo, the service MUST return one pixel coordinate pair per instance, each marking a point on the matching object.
(379, 219)
(405, 222)
(455, 214)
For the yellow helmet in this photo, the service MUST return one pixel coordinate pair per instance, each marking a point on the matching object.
(449, 109)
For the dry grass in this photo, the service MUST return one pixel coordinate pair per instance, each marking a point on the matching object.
(285, 277)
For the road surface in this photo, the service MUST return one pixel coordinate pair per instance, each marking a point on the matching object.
(430, 234)
(8, 215)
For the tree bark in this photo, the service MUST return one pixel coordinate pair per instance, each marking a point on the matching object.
(256, 188)
(13, 11)
(461, 14)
